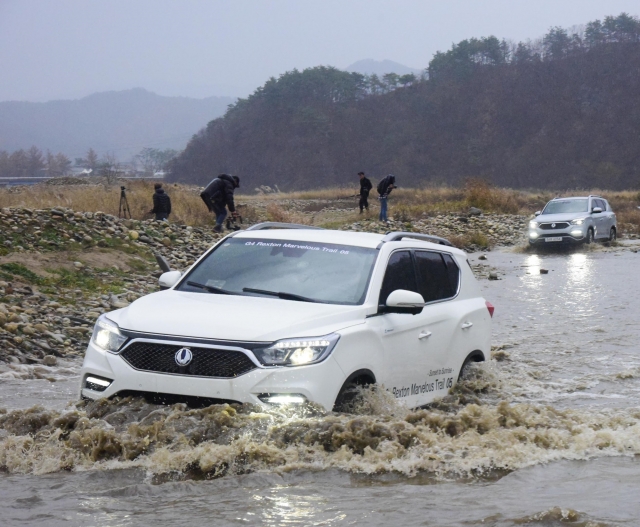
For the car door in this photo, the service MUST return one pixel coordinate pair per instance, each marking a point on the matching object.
(415, 347)
(609, 216)
(400, 333)
(600, 219)
(438, 283)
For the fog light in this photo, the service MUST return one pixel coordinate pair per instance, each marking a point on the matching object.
(576, 233)
(282, 398)
(533, 235)
(97, 384)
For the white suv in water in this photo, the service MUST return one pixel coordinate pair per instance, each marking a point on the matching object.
(573, 220)
(290, 315)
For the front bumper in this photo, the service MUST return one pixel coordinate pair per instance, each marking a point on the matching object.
(572, 235)
(319, 383)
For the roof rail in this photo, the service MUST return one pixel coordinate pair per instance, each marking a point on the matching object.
(276, 225)
(397, 236)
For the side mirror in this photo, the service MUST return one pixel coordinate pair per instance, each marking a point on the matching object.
(403, 301)
(537, 213)
(596, 210)
(168, 280)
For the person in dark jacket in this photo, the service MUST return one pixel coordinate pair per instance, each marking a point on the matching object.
(365, 188)
(384, 189)
(161, 203)
(218, 195)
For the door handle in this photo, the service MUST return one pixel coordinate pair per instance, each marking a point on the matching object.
(424, 335)
(466, 325)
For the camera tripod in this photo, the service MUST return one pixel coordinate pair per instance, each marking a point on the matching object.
(123, 209)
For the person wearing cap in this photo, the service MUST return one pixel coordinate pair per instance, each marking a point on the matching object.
(384, 189)
(218, 195)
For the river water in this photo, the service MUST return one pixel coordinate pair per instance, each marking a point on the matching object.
(547, 433)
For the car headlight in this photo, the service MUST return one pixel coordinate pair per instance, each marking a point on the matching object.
(297, 352)
(106, 335)
(533, 224)
(577, 222)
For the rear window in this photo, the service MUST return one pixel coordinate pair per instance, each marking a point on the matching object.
(438, 278)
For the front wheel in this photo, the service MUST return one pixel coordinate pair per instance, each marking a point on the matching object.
(589, 238)
(612, 234)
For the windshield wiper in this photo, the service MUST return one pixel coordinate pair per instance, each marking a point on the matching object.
(211, 289)
(279, 294)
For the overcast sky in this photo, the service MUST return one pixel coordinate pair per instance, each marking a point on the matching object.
(62, 49)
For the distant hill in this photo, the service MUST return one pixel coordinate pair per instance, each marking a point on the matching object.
(380, 67)
(119, 122)
(560, 113)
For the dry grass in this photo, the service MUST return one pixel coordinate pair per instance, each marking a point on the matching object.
(405, 204)
(474, 238)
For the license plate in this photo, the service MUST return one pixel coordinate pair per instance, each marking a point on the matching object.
(553, 239)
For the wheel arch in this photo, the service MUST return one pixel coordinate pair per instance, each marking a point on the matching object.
(475, 356)
(364, 375)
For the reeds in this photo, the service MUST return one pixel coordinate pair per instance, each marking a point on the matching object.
(405, 204)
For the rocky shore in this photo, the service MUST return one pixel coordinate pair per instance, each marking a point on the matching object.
(60, 269)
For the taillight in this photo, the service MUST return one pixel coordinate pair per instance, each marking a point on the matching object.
(490, 308)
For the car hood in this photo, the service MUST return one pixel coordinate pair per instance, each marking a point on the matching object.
(232, 317)
(550, 218)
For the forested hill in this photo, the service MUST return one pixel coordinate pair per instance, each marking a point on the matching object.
(561, 112)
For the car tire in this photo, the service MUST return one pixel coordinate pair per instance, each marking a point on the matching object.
(475, 356)
(346, 397)
(612, 234)
(349, 392)
(589, 238)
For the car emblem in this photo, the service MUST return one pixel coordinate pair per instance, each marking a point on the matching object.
(183, 356)
(553, 225)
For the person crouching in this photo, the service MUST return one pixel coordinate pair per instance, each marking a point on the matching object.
(161, 203)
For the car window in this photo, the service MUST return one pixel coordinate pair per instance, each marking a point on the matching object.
(454, 273)
(325, 272)
(600, 203)
(433, 276)
(400, 274)
(566, 206)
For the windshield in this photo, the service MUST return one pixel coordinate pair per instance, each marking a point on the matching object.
(567, 206)
(291, 270)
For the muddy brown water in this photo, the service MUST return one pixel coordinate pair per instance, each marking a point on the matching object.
(547, 435)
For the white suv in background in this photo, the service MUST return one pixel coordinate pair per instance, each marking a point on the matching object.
(274, 315)
(574, 220)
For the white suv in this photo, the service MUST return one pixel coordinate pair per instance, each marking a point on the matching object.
(275, 315)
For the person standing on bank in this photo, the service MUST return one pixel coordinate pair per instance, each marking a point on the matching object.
(384, 189)
(218, 195)
(365, 188)
(161, 203)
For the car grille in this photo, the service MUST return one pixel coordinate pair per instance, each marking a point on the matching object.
(552, 226)
(206, 362)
